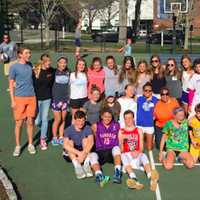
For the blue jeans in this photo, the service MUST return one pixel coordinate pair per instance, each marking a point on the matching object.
(42, 116)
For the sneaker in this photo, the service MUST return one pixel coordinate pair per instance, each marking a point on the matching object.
(60, 141)
(134, 184)
(31, 149)
(17, 151)
(102, 180)
(55, 142)
(43, 144)
(154, 180)
(117, 176)
(87, 169)
(80, 174)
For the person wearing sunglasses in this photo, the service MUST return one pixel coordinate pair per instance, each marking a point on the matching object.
(175, 140)
(158, 75)
(8, 53)
(173, 79)
(145, 121)
(163, 112)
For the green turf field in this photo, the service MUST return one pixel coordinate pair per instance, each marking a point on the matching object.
(46, 176)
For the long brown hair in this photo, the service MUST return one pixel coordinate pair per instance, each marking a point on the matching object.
(161, 69)
(76, 66)
(147, 71)
(37, 68)
(131, 73)
(176, 70)
(189, 59)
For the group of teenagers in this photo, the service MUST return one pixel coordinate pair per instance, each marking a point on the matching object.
(117, 111)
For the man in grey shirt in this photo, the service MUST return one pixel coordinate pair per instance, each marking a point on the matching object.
(9, 48)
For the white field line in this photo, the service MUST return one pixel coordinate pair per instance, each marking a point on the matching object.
(175, 164)
(158, 195)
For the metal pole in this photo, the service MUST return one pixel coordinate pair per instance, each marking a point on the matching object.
(21, 32)
(174, 34)
(41, 24)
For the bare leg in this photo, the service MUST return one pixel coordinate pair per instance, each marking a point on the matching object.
(29, 123)
(62, 125)
(169, 161)
(18, 127)
(188, 161)
(149, 141)
(56, 122)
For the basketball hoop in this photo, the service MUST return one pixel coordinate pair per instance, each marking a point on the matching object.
(176, 9)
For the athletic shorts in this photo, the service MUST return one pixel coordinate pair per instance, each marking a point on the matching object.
(148, 130)
(77, 42)
(25, 107)
(136, 163)
(105, 156)
(185, 97)
(59, 106)
(78, 103)
(194, 152)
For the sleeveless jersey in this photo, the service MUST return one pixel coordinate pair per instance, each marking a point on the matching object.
(195, 124)
(107, 138)
(131, 141)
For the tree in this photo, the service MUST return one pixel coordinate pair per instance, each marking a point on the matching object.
(137, 16)
(123, 5)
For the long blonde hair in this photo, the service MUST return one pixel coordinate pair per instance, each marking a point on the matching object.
(37, 68)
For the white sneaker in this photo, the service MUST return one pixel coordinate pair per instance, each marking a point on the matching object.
(80, 174)
(87, 169)
(17, 151)
(31, 149)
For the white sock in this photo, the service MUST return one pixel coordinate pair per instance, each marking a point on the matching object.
(149, 175)
(75, 163)
(132, 175)
(98, 172)
(118, 167)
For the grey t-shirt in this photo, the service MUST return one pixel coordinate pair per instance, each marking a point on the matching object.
(10, 49)
(77, 136)
(77, 33)
(92, 111)
(174, 85)
(22, 75)
(111, 82)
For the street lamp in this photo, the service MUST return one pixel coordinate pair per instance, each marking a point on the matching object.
(174, 18)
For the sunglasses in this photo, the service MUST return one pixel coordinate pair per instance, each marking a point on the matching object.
(148, 90)
(170, 65)
(155, 61)
(164, 94)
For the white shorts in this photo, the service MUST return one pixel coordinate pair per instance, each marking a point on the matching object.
(147, 130)
(136, 163)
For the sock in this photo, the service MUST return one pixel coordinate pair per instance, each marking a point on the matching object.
(149, 175)
(118, 167)
(98, 172)
(75, 163)
(132, 175)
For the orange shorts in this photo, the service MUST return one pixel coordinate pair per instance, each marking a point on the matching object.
(25, 107)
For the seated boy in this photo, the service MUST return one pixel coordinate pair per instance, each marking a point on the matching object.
(176, 139)
(194, 130)
(78, 142)
(106, 147)
(131, 144)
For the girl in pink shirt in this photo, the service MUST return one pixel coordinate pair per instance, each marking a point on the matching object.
(96, 75)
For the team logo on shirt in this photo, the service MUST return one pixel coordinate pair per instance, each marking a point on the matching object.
(147, 106)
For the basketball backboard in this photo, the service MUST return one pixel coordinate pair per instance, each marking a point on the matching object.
(171, 6)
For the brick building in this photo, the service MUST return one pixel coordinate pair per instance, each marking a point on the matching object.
(167, 23)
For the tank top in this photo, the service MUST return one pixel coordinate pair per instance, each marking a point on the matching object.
(107, 138)
(131, 141)
(185, 81)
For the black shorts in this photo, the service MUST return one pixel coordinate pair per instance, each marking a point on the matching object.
(78, 103)
(105, 156)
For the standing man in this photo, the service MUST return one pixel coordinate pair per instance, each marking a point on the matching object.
(23, 100)
(78, 39)
(8, 53)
